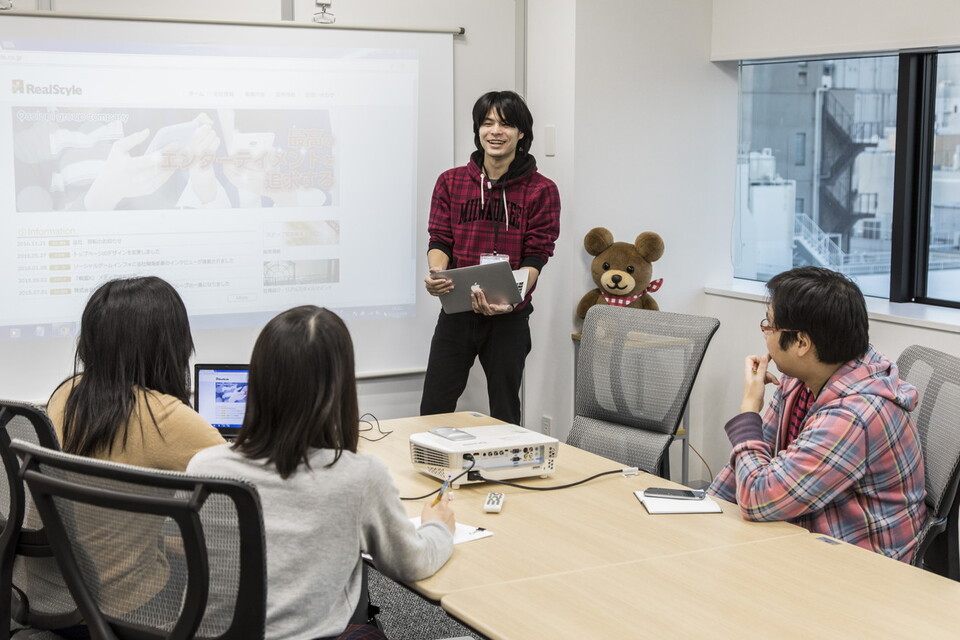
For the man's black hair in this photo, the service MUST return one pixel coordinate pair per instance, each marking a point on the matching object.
(512, 111)
(827, 306)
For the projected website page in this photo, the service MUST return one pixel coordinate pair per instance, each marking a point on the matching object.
(253, 179)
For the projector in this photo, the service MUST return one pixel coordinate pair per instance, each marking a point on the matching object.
(501, 452)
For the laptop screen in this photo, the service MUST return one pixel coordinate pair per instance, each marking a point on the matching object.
(221, 395)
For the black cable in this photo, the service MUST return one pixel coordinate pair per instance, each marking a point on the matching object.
(473, 463)
(561, 486)
(379, 430)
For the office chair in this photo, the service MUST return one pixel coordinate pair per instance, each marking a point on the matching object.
(151, 554)
(32, 591)
(635, 370)
(937, 376)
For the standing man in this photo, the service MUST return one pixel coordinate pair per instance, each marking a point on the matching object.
(836, 450)
(496, 208)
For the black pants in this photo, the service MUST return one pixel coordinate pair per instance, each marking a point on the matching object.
(502, 342)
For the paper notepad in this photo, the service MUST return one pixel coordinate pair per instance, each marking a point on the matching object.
(672, 505)
(521, 275)
(464, 533)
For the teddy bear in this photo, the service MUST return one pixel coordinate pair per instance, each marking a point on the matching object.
(623, 271)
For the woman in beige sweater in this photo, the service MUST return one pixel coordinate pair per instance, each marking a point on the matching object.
(127, 401)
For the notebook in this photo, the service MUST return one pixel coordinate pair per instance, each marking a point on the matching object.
(220, 395)
(670, 505)
(497, 279)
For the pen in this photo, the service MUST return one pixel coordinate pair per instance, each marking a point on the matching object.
(443, 490)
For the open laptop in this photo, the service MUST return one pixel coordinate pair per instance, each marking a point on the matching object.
(220, 395)
(497, 280)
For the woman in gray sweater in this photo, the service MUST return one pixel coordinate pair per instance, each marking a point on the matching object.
(323, 504)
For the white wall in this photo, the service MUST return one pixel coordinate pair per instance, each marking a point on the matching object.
(655, 150)
(550, 92)
(752, 29)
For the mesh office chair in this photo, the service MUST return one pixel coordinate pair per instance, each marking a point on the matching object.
(32, 591)
(635, 371)
(152, 554)
(937, 376)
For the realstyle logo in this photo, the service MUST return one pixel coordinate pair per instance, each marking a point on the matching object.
(19, 86)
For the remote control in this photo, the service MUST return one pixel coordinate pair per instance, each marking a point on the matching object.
(493, 503)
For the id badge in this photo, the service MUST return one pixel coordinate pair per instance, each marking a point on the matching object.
(487, 258)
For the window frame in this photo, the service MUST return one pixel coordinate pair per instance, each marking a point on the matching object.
(913, 179)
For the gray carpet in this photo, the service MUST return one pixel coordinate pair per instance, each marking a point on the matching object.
(404, 615)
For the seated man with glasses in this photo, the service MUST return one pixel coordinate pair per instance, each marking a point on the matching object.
(836, 450)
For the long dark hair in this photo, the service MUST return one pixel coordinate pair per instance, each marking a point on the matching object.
(302, 390)
(134, 339)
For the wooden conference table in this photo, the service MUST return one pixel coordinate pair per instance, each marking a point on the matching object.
(540, 533)
(589, 562)
(806, 586)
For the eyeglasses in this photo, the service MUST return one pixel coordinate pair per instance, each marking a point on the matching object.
(766, 327)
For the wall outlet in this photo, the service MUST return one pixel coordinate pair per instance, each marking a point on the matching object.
(546, 425)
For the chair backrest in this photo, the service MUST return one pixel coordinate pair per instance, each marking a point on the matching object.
(635, 369)
(148, 553)
(27, 569)
(21, 421)
(936, 375)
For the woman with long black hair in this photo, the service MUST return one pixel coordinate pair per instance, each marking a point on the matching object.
(127, 401)
(323, 504)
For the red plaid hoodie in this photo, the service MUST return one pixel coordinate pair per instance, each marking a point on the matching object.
(467, 215)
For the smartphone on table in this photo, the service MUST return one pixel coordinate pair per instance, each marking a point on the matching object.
(676, 494)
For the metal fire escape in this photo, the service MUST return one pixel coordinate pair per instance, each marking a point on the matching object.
(842, 141)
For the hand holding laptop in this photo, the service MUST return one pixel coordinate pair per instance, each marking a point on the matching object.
(481, 306)
(488, 289)
(437, 285)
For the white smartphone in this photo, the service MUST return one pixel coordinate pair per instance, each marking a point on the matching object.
(676, 494)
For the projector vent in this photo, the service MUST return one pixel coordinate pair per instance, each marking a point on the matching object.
(421, 455)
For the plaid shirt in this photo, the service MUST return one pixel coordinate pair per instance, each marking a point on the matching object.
(467, 216)
(855, 470)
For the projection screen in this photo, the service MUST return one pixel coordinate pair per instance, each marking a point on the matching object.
(255, 167)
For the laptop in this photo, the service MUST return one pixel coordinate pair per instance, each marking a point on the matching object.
(220, 395)
(497, 280)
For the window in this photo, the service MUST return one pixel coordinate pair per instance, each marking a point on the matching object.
(800, 148)
(880, 177)
(871, 230)
(849, 110)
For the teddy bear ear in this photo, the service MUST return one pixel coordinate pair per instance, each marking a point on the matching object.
(649, 245)
(597, 240)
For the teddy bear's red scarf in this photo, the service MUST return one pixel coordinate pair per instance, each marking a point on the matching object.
(623, 301)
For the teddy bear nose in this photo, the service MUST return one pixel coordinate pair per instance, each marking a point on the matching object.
(617, 278)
